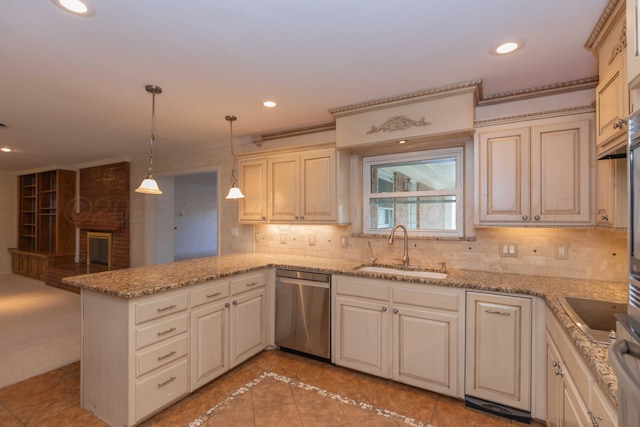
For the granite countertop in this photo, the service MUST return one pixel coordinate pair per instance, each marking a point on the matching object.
(140, 281)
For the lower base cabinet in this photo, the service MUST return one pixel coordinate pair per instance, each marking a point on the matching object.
(409, 333)
(499, 349)
(573, 396)
(142, 354)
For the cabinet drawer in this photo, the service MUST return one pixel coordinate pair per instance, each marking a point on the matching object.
(160, 356)
(364, 288)
(160, 331)
(426, 298)
(160, 307)
(209, 292)
(160, 389)
(248, 282)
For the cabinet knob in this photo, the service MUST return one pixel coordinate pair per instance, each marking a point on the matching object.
(395, 311)
(558, 371)
(384, 308)
(619, 124)
(525, 217)
(264, 218)
(227, 305)
(604, 218)
(234, 302)
(537, 217)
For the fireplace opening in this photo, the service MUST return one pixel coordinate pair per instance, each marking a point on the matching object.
(98, 251)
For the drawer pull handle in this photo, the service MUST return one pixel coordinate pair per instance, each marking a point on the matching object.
(166, 382)
(169, 307)
(166, 355)
(501, 313)
(213, 295)
(252, 284)
(166, 332)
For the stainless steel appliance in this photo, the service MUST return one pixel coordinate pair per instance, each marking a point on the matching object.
(624, 356)
(634, 215)
(303, 313)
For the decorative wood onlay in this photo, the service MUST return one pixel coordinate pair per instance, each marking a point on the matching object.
(409, 98)
(621, 46)
(538, 91)
(395, 123)
(533, 116)
(601, 28)
(259, 139)
(99, 220)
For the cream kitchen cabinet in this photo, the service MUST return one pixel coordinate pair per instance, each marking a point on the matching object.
(302, 187)
(306, 186)
(252, 180)
(533, 175)
(611, 193)
(409, 333)
(573, 396)
(139, 355)
(499, 349)
(609, 41)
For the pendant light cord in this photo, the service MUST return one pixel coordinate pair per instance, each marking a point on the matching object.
(231, 119)
(153, 89)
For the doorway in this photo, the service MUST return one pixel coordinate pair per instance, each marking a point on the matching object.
(186, 217)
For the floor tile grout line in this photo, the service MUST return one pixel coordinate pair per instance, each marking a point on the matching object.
(364, 406)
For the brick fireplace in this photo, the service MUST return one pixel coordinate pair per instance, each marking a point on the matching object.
(103, 208)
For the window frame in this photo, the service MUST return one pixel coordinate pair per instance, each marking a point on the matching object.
(406, 157)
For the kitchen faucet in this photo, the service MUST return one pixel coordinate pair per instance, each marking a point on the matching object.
(405, 255)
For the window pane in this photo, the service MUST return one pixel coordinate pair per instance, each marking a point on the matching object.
(424, 175)
(415, 213)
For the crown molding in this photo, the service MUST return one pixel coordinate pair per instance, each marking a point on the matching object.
(601, 28)
(323, 127)
(408, 98)
(538, 91)
(534, 116)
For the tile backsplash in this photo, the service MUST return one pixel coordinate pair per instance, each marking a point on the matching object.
(592, 254)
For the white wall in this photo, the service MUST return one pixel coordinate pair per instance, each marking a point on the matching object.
(8, 218)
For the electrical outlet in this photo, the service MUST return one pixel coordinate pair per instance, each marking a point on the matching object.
(283, 238)
(508, 250)
(562, 251)
(343, 241)
(257, 237)
(312, 239)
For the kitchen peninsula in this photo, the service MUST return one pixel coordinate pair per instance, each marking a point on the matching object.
(140, 324)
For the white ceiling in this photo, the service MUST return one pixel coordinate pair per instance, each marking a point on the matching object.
(72, 88)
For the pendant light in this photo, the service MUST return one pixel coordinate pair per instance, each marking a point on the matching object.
(234, 191)
(149, 185)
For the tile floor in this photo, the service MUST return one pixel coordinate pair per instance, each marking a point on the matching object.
(52, 399)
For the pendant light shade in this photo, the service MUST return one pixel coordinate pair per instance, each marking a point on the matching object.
(234, 192)
(149, 185)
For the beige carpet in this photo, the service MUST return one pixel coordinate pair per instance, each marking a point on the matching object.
(39, 328)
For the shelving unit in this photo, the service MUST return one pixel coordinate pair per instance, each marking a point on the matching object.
(46, 234)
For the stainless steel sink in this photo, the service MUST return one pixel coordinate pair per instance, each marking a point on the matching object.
(594, 317)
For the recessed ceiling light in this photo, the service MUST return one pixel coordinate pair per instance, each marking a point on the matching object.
(506, 48)
(402, 141)
(76, 7)
(6, 149)
(269, 104)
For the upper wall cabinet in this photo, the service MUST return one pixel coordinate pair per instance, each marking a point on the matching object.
(633, 44)
(531, 175)
(609, 42)
(307, 186)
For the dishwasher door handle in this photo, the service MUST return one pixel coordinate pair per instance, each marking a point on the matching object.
(288, 281)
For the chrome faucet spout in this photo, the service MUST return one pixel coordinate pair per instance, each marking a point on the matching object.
(405, 255)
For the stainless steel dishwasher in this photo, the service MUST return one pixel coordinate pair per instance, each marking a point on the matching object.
(303, 313)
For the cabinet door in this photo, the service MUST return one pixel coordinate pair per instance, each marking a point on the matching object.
(554, 386)
(503, 176)
(611, 193)
(498, 357)
(560, 173)
(209, 343)
(248, 325)
(284, 188)
(425, 349)
(253, 182)
(610, 109)
(318, 188)
(362, 335)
